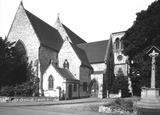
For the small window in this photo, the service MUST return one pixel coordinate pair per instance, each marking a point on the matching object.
(50, 82)
(84, 86)
(66, 64)
(75, 87)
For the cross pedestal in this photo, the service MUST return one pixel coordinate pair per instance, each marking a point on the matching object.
(150, 96)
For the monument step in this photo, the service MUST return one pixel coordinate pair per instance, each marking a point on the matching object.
(148, 103)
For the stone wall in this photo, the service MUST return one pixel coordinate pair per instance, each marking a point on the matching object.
(57, 82)
(68, 53)
(85, 77)
(122, 63)
(99, 66)
(45, 56)
(27, 99)
(75, 94)
(22, 29)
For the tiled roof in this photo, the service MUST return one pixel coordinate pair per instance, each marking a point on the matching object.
(65, 73)
(47, 35)
(74, 38)
(82, 55)
(95, 51)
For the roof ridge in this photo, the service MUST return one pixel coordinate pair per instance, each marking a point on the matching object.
(95, 51)
(38, 18)
(66, 71)
(86, 58)
(73, 34)
(47, 34)
(118, 32)
(59, 71)
(93, 42)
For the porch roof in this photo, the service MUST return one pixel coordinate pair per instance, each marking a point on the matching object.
(65, 73)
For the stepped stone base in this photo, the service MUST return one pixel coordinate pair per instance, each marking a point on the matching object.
(150, 100)
(152, 103)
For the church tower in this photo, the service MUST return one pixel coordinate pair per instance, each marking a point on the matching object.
(120, 60)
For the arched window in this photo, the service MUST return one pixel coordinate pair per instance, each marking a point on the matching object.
(21, 50)
(66, 64)
(50, 82)
(117, 43)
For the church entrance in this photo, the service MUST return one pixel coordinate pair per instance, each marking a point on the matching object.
(70, 91)
(94, 88)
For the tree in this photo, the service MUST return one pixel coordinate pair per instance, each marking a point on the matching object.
(6, 60)
(120, 83)
(16, 74)
(144, 33)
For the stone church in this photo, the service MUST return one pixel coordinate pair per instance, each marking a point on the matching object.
(66, 65)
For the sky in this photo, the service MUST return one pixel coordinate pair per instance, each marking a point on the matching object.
(92, 20)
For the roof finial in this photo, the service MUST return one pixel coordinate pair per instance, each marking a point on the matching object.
(58, 16)
(21, 3)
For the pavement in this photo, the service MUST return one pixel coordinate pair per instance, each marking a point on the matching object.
(61, 102)
(85, 106)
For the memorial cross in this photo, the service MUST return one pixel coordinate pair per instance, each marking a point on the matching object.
(153, 55)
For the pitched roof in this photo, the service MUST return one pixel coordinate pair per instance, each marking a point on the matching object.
(65, 73)
(74, 38)
(47, 35)
(95, 51)
(81, 55)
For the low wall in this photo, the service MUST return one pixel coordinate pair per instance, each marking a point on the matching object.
(112, 110)
(115, 95)
(4, 99)
(143, 111)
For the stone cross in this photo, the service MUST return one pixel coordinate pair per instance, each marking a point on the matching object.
(153, 56)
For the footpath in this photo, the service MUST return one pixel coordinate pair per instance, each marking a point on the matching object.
(61, 102)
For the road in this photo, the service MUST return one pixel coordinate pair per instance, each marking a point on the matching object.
(87, 106)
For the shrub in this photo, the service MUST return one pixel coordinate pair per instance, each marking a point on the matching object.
(121, 104)
(25, 89)
(120, 83)
(7, 91)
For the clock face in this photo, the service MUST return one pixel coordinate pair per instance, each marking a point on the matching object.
(119, 57)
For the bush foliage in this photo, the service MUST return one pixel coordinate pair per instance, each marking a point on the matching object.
(138, 39)
(25, 89)
(120, 83)
(121, 104)
(17, 77)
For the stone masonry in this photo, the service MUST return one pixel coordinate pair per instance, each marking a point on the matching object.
(22, 29)
(68, 53)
